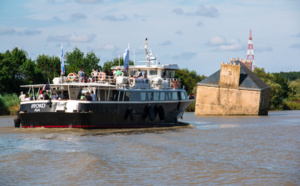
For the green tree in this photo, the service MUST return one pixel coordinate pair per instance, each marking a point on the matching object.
(11, 76)
(49, 66)
(279, 88)
(189, 79)
(75, 61)
(31, 73)
(91, 62)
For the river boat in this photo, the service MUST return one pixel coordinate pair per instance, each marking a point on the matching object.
(153, 99)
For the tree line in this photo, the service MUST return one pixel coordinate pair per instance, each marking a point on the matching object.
(17, 69)
(285, 89)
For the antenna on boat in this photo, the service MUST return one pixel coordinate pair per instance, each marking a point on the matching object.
(147, 53)
(133, 57)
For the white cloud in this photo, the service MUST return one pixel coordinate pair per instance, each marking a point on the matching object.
(78, 16)
(224, 45)
(234, 46)
(22, 32)
(7, 31)
(199, 23)
(108, 47)
(295, 45)
(216, 41)
(89, 1)
(178, 11)
(178, 32)
(114, 18)
(166, 43)
(201, 11)
(80, 38)
(258, 48)
(185, 56)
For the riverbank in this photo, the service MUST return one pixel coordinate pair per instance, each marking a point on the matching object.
(10, 104)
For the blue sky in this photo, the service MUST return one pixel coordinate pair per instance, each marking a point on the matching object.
(197, 35)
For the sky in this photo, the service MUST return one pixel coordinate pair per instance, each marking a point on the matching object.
(197, 35)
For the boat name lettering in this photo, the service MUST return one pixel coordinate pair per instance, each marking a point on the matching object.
(38, 106)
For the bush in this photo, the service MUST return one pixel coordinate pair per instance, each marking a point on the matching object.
(191, 108)
(9, 104)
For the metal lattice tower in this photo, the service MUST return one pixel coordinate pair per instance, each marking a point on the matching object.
(250, 53)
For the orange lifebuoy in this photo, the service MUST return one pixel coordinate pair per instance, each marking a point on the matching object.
(73, 75)
(178, 83)
(174, 84)
(101, 76)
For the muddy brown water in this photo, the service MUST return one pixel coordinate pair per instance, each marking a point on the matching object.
(209, 150)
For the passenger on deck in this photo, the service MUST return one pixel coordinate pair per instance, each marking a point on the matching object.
(33, 97)
(45, 95)
(88, 97)
(66, 95)
(192, 96)
(94, 97)
(114, 73)
(27, 97)
(41, 97)
(54, 96)
(60, 95)
(119, 73)
(139, 73)
(81, 74)
(22, 96)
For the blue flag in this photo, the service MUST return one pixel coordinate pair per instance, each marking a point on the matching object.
(126, 59)
(62, 63)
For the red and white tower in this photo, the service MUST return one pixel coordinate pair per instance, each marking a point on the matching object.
(250, 53)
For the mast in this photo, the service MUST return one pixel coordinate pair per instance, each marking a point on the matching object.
(147, 53)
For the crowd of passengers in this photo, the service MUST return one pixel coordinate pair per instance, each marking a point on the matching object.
(82, 77)
(45, 95)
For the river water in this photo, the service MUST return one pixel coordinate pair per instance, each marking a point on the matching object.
(244, 150)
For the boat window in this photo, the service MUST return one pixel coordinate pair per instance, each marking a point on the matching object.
(156, 96)
(144, 72)
(153, 72)
(169, 95)
(115, 95)
(150, 96)
(121, 96)
(127, 96)
(143, 96)
(162, 96)
(132, 73)
(175, 96)
(183, 95)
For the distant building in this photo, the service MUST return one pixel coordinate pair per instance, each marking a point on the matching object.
(247, 63)
(233, 90)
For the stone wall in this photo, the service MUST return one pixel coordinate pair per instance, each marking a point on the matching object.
(215, 100)
(264, 102)
(229, 76)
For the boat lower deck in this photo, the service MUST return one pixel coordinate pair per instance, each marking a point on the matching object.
(102, 115)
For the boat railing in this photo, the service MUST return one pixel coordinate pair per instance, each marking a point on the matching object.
(172, 82)
(164, 82)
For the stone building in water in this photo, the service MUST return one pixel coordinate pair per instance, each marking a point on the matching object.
(233, 90)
